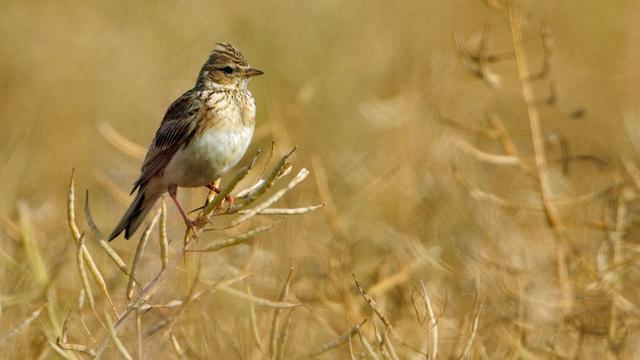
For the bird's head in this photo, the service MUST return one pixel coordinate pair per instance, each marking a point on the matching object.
(226, 69)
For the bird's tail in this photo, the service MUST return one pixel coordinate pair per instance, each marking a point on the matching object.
(136, 213)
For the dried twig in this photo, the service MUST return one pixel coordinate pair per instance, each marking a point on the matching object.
(23, 325)
(244, 237)
(474, 330)
(271, 200)
(489, 197)
(546, 194)
(139, 251)
(433, 348)
(162, 237)
(273, 335)
(120, 142)
(114, 337)
(338, 341)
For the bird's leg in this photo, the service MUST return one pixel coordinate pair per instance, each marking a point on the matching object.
(173, 192)
(213, 188)
(229, 198)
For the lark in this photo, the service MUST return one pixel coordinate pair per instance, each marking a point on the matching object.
(204, 133)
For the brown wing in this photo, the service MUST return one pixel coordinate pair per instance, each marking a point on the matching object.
(176, 130)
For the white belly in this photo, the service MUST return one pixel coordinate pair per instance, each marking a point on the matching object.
(207, 157)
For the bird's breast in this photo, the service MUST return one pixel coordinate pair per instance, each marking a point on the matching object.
(208, 156)
(223, 136)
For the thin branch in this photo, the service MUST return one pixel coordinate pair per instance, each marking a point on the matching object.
(120, 142)
(433, 349)
(485, 156)
(23, 325)
(489, 197)
(474, 330)
(337, 342)
(546, 193)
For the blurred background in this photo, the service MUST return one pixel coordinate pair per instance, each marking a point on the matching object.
(377, 98)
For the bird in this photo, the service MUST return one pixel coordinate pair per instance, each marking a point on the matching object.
(203, 134)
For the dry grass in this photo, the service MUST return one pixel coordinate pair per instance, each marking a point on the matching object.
(472, 190)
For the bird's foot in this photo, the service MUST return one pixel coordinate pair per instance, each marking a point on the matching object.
(213, 188)
(228, 198)
(199, 222)
(192, 230)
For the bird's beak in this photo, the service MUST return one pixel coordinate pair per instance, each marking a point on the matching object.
(250, 72)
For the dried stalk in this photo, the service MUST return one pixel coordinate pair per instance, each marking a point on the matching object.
(273, 335)
(116, 341)
(236, 239)
(23, 325)
(433, 348)
(474, 330)
(138, 255)
(544, 183)
(155, 284)
(162, 237)
(333, 344)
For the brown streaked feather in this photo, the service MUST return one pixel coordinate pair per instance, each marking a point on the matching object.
(176, 130)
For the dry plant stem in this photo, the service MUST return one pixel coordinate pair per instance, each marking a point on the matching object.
(114, 337)
(63, 354)
(472, 131)
(218, 245)
(271, 200)
(269, 181)
(489, 197)
(367, 347)
(337, 342)
(187, 299)
(87, 259)
(154, 285)
(139, 334)
(32, 252)
(433, 347)
(191, 296)
(138, 255)
(551, 213)
(273, 335)
(114, 256)
(34, 315)
(118, 193)
(612, 279)
(84, 279)
(89, 217)
(120, 142)
(76, 348)
(284, 334)
(145, 294)
(507, 143)
(285, 211)
(322, 182)
(474, 330)
(176, 346)
(388, 346)
(374, 306)
(485, 156)
(393, 280)
(351, 355)
(254, 321)
(164, 242)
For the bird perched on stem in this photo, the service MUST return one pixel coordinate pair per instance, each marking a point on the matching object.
(204, 133)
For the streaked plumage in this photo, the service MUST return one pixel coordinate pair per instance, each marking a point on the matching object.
(203, 134)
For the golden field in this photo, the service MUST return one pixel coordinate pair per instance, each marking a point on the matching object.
(486, 211)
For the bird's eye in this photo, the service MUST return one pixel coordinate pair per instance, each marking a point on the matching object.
(227, 70)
